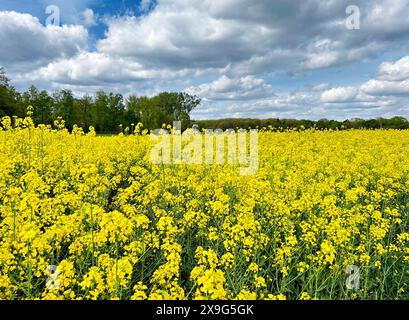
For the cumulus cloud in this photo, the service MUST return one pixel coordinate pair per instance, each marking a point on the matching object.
(392, 79)
(225, 88)
(146, 5)
(384, 88)
(176, 39)
(88, 17)
(353, 98)
(395, 71)
(98, 68)
(321, 60)
(340, 94)
(24, 40)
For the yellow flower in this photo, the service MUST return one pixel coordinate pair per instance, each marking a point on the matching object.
(284, 271)
(305, 296)
(245, 294)
(260, 282)
(139, 292)
(302, 267)
(276, 297)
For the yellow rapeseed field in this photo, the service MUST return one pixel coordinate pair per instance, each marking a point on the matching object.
(90, 217)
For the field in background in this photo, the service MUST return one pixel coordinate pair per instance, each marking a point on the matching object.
(88, 217)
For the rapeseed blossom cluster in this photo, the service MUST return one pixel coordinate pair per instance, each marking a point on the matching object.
(117, 226)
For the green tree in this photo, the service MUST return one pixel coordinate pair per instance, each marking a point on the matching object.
(83, 110)
(64, 107)
(152, 116)
(132, 114)
(173, 106)
(9, 97)
(42, 103)
(101, 115)
(116, 109)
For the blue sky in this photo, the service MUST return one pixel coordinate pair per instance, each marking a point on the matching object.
(244, 58)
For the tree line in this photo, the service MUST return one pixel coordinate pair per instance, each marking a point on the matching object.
(105, 111)
(283, 124)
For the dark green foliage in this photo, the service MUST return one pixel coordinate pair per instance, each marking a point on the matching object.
(9, 97)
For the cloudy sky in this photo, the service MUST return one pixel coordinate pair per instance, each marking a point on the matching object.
(244, 58)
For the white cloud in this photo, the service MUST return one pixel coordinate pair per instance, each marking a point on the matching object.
(187, 37)
(24, 40)
(225, 88)
(395, 71)
(392, 79)
(146, 5)
(387, 16)
(98, 68)
(353, 98)
(88, 17)
(321, 60)
(383, 88)
(340, 94)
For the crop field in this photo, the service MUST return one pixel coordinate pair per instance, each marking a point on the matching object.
(91, 217)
